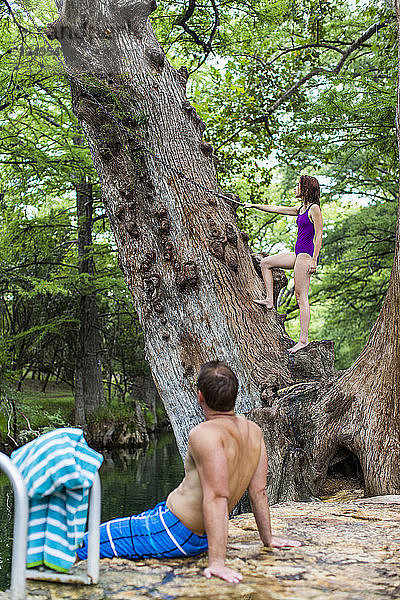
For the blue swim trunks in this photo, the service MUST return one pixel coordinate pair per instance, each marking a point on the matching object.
(155, 533)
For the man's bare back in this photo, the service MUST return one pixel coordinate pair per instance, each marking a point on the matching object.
(234, 445)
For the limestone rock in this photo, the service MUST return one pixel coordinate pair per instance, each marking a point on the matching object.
(350, 551)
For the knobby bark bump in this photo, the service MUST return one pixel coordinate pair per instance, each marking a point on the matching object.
(190, 270)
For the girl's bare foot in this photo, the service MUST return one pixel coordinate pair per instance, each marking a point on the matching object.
(265, 302)
(298, 346)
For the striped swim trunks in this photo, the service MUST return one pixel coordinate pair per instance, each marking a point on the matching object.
(155, 533)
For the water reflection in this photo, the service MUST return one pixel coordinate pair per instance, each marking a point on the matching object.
(131, 482)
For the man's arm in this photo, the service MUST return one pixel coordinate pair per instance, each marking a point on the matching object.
(258, 497)
(259, 503)
(208, 453)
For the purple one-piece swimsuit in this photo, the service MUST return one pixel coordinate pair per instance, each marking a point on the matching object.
(305, 235)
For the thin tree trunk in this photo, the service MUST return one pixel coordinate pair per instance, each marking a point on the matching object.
(89, 391)
(46, 381)
(24, 375)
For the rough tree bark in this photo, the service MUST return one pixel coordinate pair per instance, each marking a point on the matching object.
(89, 391)
(190, 270)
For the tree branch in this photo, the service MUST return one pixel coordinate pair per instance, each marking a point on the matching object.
(296, 48)
(335, 70)
(358, 43)
(206, 46)
(352, 48)
(293, 89)
(21, 29)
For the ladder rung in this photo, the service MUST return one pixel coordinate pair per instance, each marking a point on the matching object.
(48, 575)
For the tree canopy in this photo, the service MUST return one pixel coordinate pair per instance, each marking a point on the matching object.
(285, 87)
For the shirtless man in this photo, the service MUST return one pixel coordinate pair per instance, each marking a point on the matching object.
(226, 455)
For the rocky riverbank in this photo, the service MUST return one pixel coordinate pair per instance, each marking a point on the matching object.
(350, 551)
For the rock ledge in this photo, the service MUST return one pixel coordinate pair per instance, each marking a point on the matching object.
(350, 552)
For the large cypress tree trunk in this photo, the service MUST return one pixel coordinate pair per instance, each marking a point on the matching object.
(187, 264)
(180, 250)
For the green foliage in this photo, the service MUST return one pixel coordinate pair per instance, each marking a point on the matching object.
(120, 411)
(5, 372)
(42, 158)
(3, 419)
(337, 122)
(113, 411)
(28, 414)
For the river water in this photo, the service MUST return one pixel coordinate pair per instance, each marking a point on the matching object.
(131, 482)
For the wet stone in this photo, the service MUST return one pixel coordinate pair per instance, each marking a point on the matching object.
(350, 551)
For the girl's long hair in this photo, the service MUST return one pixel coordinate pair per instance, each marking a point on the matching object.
(309, 190)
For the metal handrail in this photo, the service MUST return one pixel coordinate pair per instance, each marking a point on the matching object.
(93, 560)
(19, 573)
(18, 583)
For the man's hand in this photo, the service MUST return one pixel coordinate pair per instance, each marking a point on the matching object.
(278, 542)
(224, 573)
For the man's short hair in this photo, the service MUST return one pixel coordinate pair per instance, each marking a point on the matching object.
(219, 385)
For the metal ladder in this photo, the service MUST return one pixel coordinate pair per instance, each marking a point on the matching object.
(19, 572)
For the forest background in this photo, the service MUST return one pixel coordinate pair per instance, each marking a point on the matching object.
(285, 87)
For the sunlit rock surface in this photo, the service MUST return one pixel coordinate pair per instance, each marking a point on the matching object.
(351, 551)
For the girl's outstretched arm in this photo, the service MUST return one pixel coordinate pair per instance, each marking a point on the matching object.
(290, 211)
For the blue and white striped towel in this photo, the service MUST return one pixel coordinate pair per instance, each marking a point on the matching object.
(58, 469)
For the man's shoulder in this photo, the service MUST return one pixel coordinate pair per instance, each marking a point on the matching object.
(210, 433)
(203, 439)
(205, 428)
(217, 428)
(251, 424)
